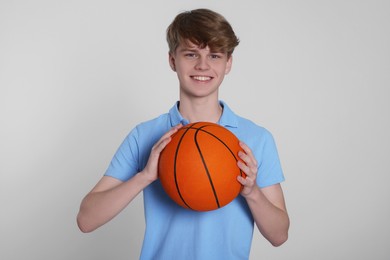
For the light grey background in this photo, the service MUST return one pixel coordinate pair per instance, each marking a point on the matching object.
(76, 76)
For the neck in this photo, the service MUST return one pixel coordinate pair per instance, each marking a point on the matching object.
(202, 110)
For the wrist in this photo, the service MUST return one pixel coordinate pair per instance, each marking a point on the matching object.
(145, 177)
(253, 195)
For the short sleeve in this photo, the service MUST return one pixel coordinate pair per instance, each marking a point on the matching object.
(269, 169)
(125, 163)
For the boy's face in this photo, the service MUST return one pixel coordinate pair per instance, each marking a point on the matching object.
(200, 71)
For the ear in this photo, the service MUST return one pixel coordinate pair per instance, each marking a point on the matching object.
(229, 64)
(172, 61)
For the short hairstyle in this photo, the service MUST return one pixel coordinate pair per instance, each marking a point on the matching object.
(202, 27)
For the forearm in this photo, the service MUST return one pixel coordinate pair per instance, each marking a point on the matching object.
(272, 221)
(110, 196)
(99, 207)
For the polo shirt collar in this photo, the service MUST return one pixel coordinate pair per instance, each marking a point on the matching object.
(228, 118)
(176, 117)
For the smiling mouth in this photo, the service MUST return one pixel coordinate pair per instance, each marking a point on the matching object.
(201, 78)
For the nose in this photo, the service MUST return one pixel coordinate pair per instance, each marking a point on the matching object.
(202, 63)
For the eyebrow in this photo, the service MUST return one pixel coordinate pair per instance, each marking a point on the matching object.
(195, 49)
(184, 49)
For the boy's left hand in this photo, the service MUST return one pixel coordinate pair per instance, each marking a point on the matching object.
(249, 166)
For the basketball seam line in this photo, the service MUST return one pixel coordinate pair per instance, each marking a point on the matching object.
(205, 131)
(204, 163)
(174, 169)
(205, 166)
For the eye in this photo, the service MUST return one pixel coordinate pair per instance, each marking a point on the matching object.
(215, 56)
(190, 55)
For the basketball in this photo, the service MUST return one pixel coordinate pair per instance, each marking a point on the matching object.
(198, 168)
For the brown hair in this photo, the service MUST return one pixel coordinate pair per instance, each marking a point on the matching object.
(202, 27)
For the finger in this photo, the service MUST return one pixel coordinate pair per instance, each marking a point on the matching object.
(245, 181)
(245, 147)
(241, 180)
(244, 157)
(166, 138)
(168, 134)
(250, 158)
(171, 131)
(162, 143)
(244, 168)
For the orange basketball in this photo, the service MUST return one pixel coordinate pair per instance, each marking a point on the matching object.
(198, 168)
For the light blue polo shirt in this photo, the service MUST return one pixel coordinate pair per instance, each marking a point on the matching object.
(173, 232)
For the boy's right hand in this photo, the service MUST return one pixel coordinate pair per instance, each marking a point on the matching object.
(150, 171)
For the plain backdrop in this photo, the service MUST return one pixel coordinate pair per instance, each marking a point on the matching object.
(77, 76)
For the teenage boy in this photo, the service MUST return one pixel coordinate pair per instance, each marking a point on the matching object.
(201, 43)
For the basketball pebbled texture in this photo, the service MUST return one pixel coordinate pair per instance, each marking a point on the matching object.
(198, 168)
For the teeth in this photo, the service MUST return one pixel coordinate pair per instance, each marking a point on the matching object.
(202, 78)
